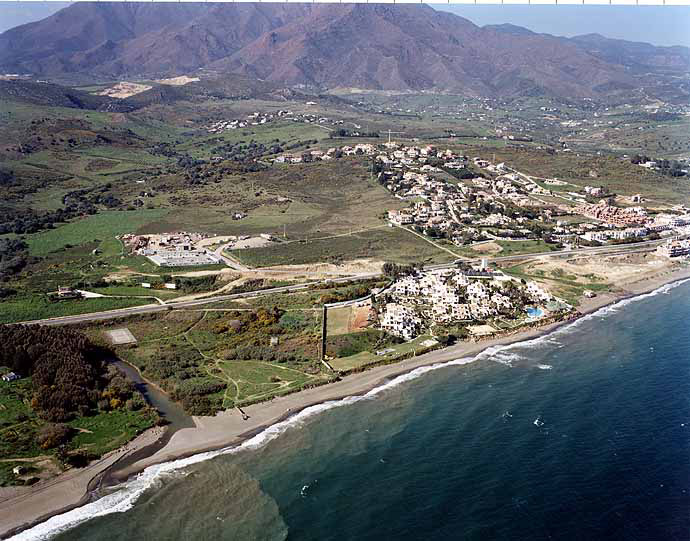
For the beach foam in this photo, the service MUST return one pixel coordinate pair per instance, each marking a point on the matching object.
(125, 496)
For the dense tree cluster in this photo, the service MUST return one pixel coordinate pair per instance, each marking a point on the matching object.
(246, 152)
(465, 173)
(163, 149)
(52, 435)
(348, 294)
(7, 178)
(671, 168)
(248, 335)
(195, 284)
(84, 201)
(187, 162)
(13, 258)
(180, 373)
(394, 270)
(66, 368)
(76, 203)
(342, 132)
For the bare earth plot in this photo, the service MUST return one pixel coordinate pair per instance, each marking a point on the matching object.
(348, 319)
(121, 336)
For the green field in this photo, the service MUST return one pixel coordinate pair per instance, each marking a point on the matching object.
(101, 226)
(381, 244)
(251, 381)
(26, 308)
(524, 247)
(338, 320)
(314, 200)
(106, 431)
(147, 327)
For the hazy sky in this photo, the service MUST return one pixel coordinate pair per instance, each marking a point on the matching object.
(661, 25)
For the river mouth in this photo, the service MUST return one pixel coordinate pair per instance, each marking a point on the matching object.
(171, 412)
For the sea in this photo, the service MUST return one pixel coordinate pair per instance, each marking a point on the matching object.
(582, 434)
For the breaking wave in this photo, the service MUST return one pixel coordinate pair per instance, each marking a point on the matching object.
(125, 496)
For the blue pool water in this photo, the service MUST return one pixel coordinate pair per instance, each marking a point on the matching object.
(535, 312)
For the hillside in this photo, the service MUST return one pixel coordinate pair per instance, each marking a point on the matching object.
(380, 47)
(58, 96)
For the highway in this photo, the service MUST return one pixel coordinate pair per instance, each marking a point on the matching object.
(172, 305)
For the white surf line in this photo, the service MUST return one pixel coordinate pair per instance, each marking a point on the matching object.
(126, 495)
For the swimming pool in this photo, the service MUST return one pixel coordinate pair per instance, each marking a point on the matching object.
(534, 312)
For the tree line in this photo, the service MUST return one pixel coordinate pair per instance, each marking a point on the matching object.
(67, 370)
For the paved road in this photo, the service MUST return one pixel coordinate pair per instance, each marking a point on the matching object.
(229, 261)
(172, 305)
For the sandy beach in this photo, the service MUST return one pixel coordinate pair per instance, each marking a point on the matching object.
(72, 489)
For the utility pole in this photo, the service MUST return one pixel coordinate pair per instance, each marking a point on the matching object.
(324, 323)
(389, 134)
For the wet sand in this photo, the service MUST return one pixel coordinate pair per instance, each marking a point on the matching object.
(229, 428)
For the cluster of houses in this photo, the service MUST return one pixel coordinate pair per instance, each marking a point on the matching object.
(171, 250)
(258, 118)
(674, 248)
(361, 149)
(596, 191)
(613, 215)
(616, 223)
(451, 207)
(423, 175)
(417, 302)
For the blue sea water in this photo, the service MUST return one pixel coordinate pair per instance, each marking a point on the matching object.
(583, 434)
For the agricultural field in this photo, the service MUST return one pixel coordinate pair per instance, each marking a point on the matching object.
(27, 308)
(100, 228)
(388, 244)
(348, 319)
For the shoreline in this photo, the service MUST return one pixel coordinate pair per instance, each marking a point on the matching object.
(228, 429)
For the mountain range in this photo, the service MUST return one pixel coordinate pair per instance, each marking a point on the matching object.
(328, 46)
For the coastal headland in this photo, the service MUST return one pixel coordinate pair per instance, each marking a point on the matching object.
(22, 510)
